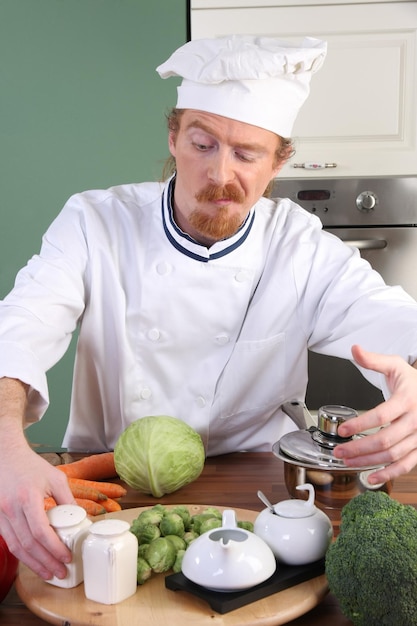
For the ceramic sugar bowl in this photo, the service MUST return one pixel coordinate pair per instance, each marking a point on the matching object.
(228, 558)
(296, 530)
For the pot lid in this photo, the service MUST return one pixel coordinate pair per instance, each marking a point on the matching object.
(302, 447)
(314, 447)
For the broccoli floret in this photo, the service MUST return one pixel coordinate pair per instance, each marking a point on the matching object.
(376, 503)
(371, 567)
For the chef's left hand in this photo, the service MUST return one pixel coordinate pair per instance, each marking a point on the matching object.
(395, 445)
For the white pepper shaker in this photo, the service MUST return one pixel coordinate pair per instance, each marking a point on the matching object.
(71, 524)
(110, 554)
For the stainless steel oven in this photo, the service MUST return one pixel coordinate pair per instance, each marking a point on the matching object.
(379, 217)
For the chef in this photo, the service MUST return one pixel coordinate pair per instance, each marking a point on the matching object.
(198, 297)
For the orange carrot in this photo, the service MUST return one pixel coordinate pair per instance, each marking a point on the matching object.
(92, 508)
(86, 491)
(93, 467)
(111, 505)
(49, 503)
(111, 490)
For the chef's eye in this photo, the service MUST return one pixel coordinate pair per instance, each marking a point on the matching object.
(201, 146)
(246, 158)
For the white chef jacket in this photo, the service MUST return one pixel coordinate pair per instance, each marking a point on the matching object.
(217, 337)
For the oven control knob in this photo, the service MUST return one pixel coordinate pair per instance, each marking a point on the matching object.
(366, 201)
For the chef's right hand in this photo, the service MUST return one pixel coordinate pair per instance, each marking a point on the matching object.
(26, 479)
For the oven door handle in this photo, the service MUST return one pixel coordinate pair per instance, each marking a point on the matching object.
(366, 244)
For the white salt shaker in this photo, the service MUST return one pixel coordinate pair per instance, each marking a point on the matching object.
(71, 524)
(110, 554)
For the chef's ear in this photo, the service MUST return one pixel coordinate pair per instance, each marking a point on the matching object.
(278, 168)
(172, 136)
(284, 152)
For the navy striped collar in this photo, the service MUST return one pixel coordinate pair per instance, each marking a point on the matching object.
(186, 244)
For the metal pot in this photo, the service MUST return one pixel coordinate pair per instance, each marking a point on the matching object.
(308, 457)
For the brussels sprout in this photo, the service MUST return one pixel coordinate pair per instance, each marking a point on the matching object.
(211, 510)
(245, 525)
(135, 528)
(209, 524)
(150, 516)
(161, 555)
(179, 543)
(184, 513)
(178, 561)
(147, 533)
(171, 524)
(198, 519)
(159, 507)
(189, 536)
(144, 571)
(159, 454)
(142, 550)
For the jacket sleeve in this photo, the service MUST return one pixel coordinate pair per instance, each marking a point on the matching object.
(343, 302)
(39, 315)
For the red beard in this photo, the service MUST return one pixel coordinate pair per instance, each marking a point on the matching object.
(222, 224)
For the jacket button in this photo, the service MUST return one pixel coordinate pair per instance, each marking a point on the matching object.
(242, 276)
(145, 393)
(163, 268)
(154, 334)
(201, 402)
(222, 339)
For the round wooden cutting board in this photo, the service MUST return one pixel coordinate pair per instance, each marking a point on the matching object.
(154, 605)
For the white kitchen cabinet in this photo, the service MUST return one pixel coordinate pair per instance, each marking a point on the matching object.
(362, 110)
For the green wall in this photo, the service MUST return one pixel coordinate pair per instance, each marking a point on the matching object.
(81, 107)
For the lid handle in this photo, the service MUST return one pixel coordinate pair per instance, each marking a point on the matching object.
(331, 416)
(297, 508)
(311, 494)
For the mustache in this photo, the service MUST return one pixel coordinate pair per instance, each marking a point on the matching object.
(211, 193)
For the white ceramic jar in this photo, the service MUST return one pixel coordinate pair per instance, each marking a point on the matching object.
(110, 554)
(297, 531)
(71, 524)
(228, 558)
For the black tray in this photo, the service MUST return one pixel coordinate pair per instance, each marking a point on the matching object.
(284, 577)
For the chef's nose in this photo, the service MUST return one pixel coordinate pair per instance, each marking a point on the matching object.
(220, 170)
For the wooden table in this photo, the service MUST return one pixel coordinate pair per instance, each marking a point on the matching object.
(233, 481)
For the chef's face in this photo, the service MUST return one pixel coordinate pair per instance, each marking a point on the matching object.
(223, 168)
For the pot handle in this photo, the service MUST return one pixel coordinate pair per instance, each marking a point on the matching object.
(299, 414)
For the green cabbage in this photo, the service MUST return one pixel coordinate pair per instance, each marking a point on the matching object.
(159, 454)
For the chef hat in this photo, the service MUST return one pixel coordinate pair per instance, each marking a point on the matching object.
(262, 81)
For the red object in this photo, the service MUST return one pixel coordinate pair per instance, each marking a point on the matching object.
(8, 569)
